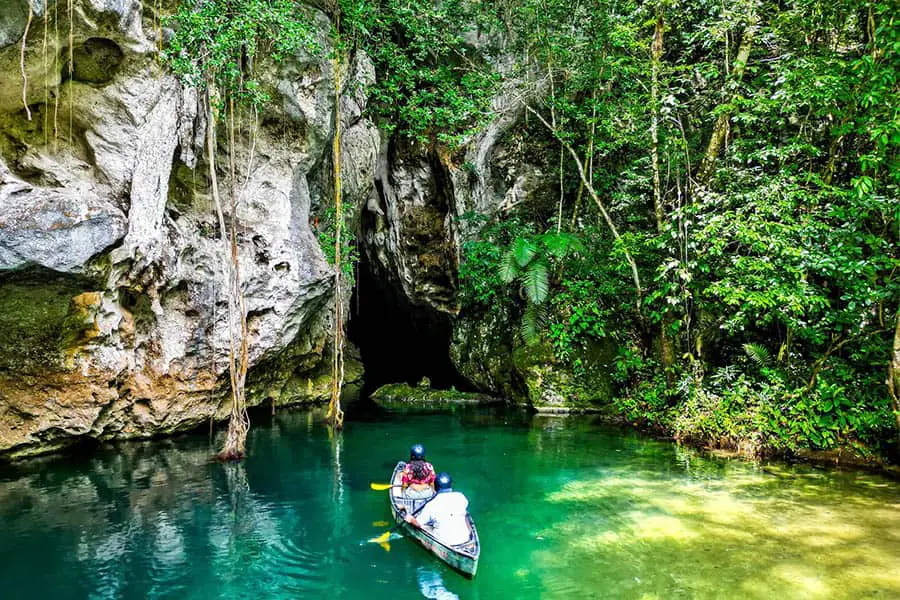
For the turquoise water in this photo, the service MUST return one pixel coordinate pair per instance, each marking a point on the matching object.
(566, 508)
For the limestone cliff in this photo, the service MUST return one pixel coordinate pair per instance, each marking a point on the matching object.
(111, 303)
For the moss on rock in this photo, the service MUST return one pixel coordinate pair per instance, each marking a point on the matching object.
(551, 385)
(33, 321)
(403, 396)
(487, 352)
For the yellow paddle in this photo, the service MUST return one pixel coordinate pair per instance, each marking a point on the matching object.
(380, 487)
(382, 539)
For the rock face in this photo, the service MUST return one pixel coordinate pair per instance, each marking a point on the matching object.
(112, 312)
(410, 239)
(419, 220)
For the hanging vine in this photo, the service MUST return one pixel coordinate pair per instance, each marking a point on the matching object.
(44, 62)
(56, 71)
(335, 415)
(71, 69)
(22, 60)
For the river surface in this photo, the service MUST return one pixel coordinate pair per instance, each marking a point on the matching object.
(566, 508)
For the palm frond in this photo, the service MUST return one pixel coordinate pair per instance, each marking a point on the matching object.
(524, 250)
(561, 244)
(509, 267)
(758, 354)
(536, 281)
(534, 319)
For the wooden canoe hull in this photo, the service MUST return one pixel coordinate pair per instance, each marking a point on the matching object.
(463, 558)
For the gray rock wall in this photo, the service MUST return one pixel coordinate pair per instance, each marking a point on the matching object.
(112, 313)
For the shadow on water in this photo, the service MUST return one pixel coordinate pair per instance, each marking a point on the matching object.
(566, 507)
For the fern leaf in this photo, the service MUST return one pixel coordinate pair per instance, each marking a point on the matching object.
(509, 268)
(536, 281)
(524, 250)
(758, 354)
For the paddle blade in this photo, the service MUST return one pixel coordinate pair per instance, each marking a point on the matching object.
(381, 539)
(386, 546)
(380, 523)
(380, 487)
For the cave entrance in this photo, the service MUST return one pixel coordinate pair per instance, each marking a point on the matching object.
(398, 341)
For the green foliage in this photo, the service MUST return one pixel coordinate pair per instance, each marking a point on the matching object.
(777, 279)
(219, 41)
(527, 262)
(430, 87)
(327, 234)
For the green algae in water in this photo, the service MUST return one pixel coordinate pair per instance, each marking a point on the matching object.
(566, 508)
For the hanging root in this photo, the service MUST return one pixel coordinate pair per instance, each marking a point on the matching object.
(46, 113)
(71, 11)
(235, 438)
(56, 70)
(335, 416)
(22, 60)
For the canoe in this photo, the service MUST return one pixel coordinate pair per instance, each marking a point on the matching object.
(462, 557)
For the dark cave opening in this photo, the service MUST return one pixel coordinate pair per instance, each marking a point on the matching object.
(398, 341)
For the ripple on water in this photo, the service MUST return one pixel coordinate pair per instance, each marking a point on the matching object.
(299, 564)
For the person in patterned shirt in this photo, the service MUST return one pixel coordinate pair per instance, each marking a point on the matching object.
(418, 475)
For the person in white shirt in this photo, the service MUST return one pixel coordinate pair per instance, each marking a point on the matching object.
(445, 515)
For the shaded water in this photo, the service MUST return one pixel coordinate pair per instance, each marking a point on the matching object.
(566, 508)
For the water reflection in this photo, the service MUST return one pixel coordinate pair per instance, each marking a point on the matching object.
(432, 585)
(566, 508)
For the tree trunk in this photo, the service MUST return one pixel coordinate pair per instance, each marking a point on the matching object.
(893, 380)
(666, 344)
(655, 55)
(720, 129)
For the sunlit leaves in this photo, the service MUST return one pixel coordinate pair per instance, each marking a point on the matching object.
(220, 41)
(430, 86)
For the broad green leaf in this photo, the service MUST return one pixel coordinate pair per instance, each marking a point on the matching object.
(524, 250)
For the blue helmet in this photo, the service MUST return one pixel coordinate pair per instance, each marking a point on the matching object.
(417, 452)
(443, 482)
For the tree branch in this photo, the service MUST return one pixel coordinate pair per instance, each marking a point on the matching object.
(593, 193)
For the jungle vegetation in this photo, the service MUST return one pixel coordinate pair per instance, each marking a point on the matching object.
(731, 173)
